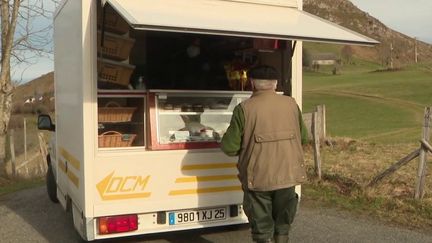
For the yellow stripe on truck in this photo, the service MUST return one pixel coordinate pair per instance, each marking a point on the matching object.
(72, 177)
(70, 158)
(204, 190)
(62, 166)
(126, 196)
(206, 178)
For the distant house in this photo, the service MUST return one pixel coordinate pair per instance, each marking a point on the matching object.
(30, 100)
(325, 59)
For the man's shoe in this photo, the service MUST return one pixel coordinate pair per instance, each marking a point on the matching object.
(281, 238)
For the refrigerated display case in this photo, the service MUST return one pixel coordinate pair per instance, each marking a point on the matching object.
(190, 119)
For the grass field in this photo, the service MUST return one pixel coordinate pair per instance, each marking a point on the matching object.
(375, 106)
(379, 114)
(10, 186)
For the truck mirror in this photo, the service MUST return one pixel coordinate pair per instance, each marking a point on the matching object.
(45, 123)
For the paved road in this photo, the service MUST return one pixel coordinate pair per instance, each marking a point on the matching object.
(28, 216)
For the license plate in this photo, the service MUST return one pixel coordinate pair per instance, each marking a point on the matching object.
(197, 216)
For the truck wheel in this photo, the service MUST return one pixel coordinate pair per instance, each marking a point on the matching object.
(51, 185)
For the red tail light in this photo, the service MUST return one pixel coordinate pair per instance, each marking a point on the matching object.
(117, 224)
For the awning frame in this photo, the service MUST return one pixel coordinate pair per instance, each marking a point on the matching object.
(134, 23)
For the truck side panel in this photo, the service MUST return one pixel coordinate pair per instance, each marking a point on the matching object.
(145, 182)
(68, 63)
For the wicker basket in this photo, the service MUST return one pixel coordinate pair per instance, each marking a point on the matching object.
(115, 139)
(114, 46)
(114, 72)
(113, 112)
(113, 21)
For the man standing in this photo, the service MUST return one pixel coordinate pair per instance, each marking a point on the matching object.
(267, 132)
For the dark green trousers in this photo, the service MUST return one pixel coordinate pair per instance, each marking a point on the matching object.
(271, 212)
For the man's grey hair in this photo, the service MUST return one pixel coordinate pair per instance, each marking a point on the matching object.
(264, 84)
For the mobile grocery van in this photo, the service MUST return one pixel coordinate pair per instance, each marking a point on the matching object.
(145, 91)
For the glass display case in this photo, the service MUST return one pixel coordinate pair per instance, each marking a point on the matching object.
(191, 119)
(121, 119)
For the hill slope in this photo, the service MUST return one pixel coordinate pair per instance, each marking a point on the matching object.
(37, 88)
(346, 14)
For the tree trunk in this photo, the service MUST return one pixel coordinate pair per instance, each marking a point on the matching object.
(9, 17)
(2, 154)
(4, 122)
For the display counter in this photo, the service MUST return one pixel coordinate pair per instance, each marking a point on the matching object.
(190, 119)
(165, 119)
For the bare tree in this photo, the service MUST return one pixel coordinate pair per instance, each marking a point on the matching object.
(25, 35)
(347, 53)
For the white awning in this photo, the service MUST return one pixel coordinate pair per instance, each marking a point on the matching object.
(221, 17)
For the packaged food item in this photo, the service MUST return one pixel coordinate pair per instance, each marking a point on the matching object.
(218, 106)
(168, 106)
(198, 108)
(140, 84)
(187, 108)
(177, 107)
(206, 133)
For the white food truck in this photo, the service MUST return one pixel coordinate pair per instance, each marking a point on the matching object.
(144, 91)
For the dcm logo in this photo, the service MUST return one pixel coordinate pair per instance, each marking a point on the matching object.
(123, 187)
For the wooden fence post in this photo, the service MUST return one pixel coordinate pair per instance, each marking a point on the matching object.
(324, 125)
(12, 150)
(322, 121)
(421, 174)
(316, 144)
(25, 139)
(43, 151)
(426, 145)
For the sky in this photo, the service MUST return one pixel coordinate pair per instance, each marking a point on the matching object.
(23, 72)
(410, 17)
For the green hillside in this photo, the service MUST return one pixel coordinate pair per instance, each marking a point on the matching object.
(376, 106)
(316, 47)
